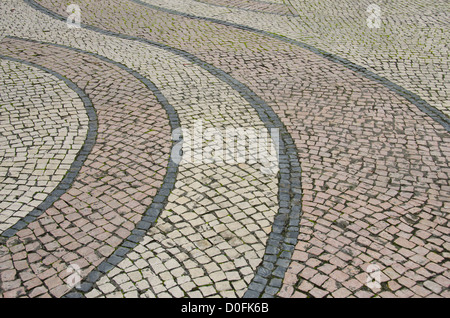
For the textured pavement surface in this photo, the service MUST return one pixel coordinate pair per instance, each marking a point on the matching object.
(94, 204)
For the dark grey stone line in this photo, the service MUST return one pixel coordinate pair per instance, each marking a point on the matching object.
(413, 98)
(159, 201)
(282, 240)
(249, 10)
(75, 167)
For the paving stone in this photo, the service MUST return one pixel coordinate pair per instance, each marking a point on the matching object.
(374, 167)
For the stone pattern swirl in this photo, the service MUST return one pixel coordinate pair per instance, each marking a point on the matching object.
(373, 188)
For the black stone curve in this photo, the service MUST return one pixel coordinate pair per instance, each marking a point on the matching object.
(413, 98)
(159, 201)
(76, 165)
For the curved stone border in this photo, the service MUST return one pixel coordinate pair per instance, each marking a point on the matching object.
(413, 98)
(159, 202)
(72, 173)
(282, 240)
(144, 88)
(251, 10)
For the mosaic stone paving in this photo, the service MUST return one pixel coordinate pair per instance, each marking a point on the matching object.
(338, 188)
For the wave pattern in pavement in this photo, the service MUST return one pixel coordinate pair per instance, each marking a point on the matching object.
(374, 178)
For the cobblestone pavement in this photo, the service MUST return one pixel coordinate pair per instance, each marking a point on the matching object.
(410, 48)
(95, 204)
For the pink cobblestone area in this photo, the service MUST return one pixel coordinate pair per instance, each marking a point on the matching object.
(106, 200)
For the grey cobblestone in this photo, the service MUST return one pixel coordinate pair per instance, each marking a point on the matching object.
(38, 144)
(409, 49)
